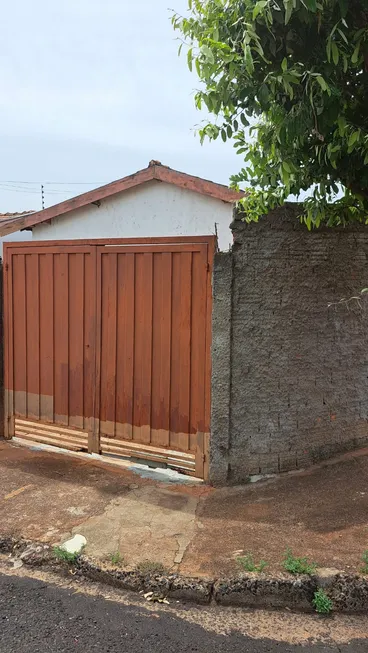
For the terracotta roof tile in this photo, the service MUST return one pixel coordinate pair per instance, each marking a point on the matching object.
(6, 216)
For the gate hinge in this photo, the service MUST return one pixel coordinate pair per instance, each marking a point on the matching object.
(6, 267)
(208, 267)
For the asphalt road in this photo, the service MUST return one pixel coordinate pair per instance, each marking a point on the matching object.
(36, 617)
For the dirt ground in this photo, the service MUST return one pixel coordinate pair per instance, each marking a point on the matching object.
(197, 530)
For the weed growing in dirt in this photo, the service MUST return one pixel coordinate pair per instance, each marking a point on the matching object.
(298, 565)
(322, 603)
(116, 559)
(248, 563)
(364, 568)
(151, 567)
(61, 554)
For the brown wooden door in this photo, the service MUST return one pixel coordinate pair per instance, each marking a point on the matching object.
(108, 346)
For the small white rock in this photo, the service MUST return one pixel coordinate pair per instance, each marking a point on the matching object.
(75, 544)
(17, 564)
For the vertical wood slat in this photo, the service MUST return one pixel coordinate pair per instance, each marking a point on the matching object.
(89, 359)
(180, 351)
(33, 335)
(9, 345)
(198, 347)
(161, 349)
(142, 348)
(61, 339)
(76, 339)
(207, 410)
(125, 346)
(46, 272)
(94, 435)
(20, 335)
(108, 344)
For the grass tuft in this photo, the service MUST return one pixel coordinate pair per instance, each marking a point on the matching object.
(298, 565)
(322, 603)
(151, 567)
(248, 563)
(61, 554)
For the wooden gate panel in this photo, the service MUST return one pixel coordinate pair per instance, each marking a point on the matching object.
(111, 341)
(152, 353)
(50, 336)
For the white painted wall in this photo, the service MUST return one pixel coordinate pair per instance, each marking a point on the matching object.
(18, 236)
(153, 209)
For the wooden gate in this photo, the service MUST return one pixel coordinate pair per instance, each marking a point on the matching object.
(108, 347)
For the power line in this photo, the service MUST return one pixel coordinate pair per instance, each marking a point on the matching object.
(34, 191)
(56, 183)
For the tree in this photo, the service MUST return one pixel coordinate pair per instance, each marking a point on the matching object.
(299, 68)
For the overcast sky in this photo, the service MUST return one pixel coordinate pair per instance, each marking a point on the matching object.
(91, 90)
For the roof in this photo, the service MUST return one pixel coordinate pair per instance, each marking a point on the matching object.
(8, 219)
(6, 216)
(154, 171)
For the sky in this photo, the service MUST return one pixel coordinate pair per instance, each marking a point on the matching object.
(91, 91)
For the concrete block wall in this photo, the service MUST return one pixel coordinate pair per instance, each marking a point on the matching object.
(290, 373)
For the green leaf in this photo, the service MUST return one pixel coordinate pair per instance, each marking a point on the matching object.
(223, 134)
(244, 120)
(341, 122)
(310, 4)
(286, 166)
(258, 8)
(335, 53)
(328, 49)
(322, 83)
(343, 36)
(355, 56)
(353, 138)
(288, 10)
(248, 59)
(284, 64)
(263, 94)
(190, 59)
(229, 131)
(208, 54)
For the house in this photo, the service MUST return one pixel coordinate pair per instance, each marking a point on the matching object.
(108, 318)
(154, 202)
(148, 319)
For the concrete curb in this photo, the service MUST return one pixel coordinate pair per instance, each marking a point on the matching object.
(348, 593)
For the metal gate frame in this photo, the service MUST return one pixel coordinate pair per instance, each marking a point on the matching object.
(200, 468)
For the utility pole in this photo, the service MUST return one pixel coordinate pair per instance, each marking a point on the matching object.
(42, 196)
